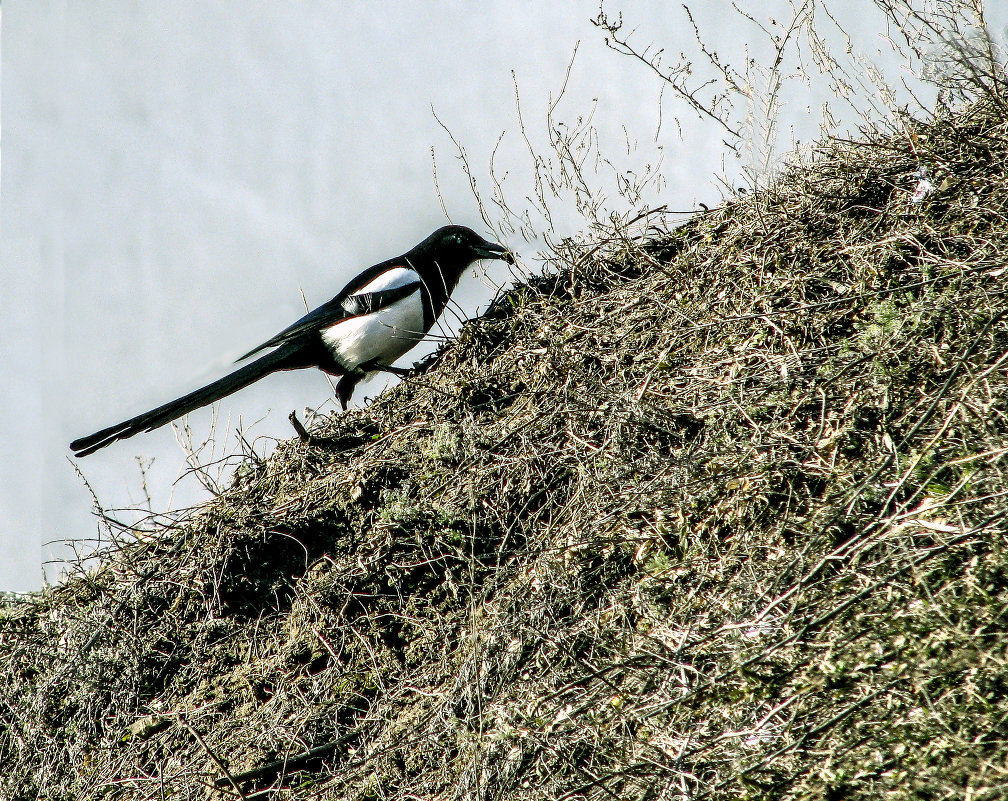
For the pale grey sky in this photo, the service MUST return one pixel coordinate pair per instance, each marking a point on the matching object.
(174, 174)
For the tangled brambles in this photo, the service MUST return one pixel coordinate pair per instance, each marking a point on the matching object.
(712, 512)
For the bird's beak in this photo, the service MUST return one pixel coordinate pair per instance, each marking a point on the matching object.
(491, 250)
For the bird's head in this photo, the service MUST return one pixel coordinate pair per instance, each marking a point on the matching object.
(461, 246)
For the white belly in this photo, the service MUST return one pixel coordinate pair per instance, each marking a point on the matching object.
(383, 336)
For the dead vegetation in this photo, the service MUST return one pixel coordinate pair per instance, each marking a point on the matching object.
(716, 511)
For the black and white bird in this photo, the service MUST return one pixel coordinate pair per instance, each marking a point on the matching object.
(373, 321)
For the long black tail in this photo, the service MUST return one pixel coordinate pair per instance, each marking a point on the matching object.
(284, 358)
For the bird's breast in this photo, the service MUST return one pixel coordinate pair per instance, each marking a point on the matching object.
(382, 336)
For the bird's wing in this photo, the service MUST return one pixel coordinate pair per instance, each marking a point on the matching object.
(372, 290)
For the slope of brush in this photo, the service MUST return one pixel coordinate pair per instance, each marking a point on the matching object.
(711, 512)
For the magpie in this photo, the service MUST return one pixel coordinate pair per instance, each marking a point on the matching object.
(374, 320)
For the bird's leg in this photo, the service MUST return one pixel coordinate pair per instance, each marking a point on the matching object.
(402, 372)
(374, 366)
(345, 387)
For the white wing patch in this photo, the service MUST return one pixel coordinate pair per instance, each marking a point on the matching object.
(390, 279)
(381, 336)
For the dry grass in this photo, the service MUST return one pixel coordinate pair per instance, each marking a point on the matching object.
(712, 512)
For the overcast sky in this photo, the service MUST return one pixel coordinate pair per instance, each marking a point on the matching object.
(176, 174)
